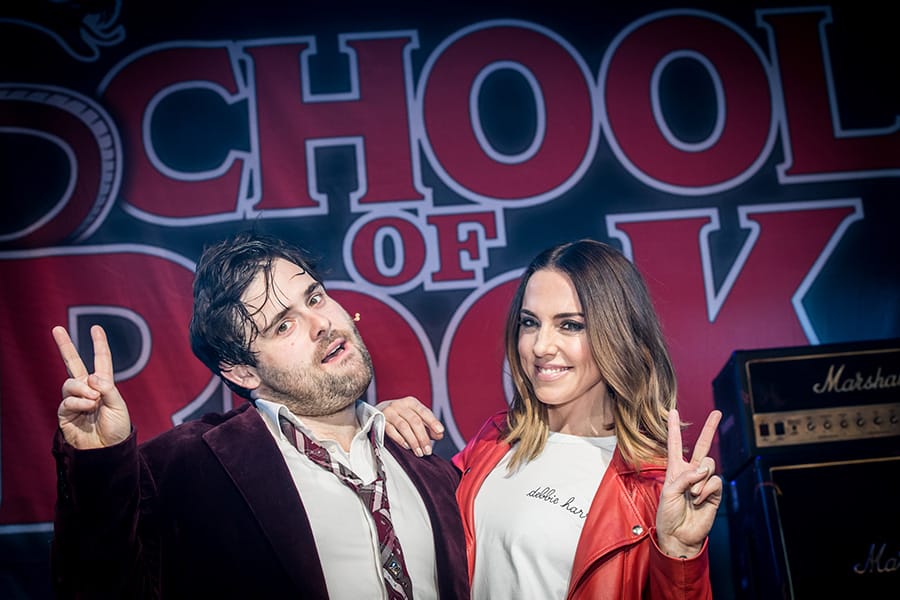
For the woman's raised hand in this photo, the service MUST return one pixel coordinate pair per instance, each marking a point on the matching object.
(691, 493)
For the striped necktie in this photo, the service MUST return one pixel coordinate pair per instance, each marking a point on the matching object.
(374, 496)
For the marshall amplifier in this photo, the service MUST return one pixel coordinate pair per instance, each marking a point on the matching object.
(809, 402)
(817, 530)
(810, 450)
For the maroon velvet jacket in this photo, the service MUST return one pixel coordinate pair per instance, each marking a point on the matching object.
(209, 510)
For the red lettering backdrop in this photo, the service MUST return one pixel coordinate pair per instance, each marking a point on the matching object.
(745, 157)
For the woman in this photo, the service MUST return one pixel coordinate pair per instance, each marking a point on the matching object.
(580, 489)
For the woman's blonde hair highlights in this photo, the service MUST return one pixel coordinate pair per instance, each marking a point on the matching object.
(626, 342)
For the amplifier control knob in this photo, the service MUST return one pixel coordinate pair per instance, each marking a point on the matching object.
(876, 420)
(860, 422)
(810, 426)
(827, 424)
(844, 423)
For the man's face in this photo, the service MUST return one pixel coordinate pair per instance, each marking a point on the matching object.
(310, 356)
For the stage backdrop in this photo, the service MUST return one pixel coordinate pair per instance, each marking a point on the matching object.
(744, 155)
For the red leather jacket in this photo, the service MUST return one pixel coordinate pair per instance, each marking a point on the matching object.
(617, 555)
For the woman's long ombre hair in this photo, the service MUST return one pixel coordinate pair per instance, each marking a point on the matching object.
(626, 342)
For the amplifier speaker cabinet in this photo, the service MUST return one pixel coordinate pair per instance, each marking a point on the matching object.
(810, 450)
(816, 530)
(809, 403)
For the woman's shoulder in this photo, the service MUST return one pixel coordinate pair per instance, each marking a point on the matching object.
(493, 427)
(489, 434)
(647, 475)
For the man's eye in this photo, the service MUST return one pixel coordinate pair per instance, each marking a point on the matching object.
(283, 327)
(316, 298)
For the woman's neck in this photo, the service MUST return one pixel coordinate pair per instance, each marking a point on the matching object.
(583, 419)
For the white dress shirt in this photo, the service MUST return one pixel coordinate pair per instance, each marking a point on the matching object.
(345, 533)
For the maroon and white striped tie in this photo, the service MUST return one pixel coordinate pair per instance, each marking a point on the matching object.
(374, 496)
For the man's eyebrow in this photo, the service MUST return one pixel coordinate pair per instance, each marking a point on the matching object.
(310, 290)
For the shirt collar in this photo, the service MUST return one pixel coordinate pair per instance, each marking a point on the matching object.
(368, 417)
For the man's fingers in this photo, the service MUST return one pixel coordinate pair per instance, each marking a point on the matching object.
(76, 406)
(704, 441)
(102, 356)
(74, 365)
(80, 388)
(405, 435)
(415, 434)
(103, 365)
(411, 423)
(430, 421)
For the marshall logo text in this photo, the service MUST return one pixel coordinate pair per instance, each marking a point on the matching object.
(876, 561)
(836, 382)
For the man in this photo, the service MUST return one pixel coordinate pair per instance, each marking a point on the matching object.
(295, 494)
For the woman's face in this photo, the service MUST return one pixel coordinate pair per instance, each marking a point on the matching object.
(553, 344)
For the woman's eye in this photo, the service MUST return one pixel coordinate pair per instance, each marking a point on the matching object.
(573, 326)
(527, 322)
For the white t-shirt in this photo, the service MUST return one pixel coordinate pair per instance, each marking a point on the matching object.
(527, 523)
(345, 533)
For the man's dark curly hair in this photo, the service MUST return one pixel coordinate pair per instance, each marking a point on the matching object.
(222, 330)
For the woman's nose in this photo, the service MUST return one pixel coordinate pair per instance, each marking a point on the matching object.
(544, 342)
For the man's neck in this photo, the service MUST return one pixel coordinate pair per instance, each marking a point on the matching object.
(340, 426)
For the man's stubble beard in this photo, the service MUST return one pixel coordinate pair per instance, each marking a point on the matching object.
(312, 392)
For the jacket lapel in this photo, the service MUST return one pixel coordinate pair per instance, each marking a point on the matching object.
(437, 488)
(618, 516)
(247, 452)
(476, 461)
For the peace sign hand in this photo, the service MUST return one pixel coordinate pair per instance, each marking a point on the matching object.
(92, 413)
(691, 493)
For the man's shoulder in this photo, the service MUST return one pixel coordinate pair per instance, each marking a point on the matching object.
(190, 434)
(426, 466)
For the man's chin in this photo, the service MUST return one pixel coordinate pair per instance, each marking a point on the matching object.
(319, 409)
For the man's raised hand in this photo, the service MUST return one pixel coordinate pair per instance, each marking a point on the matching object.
(92, 413)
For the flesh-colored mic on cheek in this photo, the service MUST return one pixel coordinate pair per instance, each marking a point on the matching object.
(356, 317)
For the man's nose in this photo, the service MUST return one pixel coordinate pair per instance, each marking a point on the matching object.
(319, 325)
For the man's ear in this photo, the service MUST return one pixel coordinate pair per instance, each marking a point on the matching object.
(244, 376)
